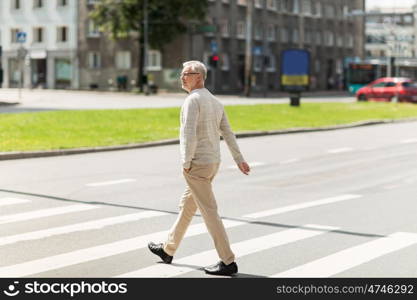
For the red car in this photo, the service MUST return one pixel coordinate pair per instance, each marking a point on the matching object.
(389, 88)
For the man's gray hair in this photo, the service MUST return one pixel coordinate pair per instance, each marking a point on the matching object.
(196, 66)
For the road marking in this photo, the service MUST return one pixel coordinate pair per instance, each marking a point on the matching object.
(11, 201)
(280, 210)
(409, 141)
(289, 161)
(352, 257)
(91, 225)
(252, 164)
(48, 212)
(97, 252)
(339, 150)
(110, 182)
(193, 262)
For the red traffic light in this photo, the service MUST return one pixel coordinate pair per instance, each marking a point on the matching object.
(215, 58)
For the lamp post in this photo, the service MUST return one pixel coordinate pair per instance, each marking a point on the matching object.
(145, 47)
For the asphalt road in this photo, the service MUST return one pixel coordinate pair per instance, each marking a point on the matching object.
(43, 100)
(323, 204)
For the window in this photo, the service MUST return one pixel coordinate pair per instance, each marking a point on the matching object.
(16, 4)
(390, 84)
(257, 63)
(226, 1)
(92, 1)
(295, 36)
(123, 60)
(271, 32)
(339, 41)
(270, 63)
(318, 38)
(330, 11)
(408, 19)
(94, 60)
(62, 34)
(154, 60)
(378, 85)
(284, 35)
(349, 41)
(242, 2)
(258, 31)
(62, 2)
(258, 3)
(38, 35)
(240, 29)
(224, 27)
(38, 3)
(93, 30)
(329, 38)
(271, 4)
(318, 9)
(14, 32)
(296, 6)
(307, 7)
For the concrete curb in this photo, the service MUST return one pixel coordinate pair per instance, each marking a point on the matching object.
(34, 154)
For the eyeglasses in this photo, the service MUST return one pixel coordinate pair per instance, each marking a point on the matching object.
(188, 73)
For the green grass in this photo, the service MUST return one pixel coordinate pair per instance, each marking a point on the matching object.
(73, 129)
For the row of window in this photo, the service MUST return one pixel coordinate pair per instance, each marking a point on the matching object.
(17, 4)
(123, 60)
(39, 34)
(286, 35)
(307, 7)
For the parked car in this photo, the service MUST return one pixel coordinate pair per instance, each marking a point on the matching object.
(388, 89)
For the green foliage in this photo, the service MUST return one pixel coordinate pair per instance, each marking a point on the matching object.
(167, 18)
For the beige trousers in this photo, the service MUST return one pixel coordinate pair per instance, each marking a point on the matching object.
(199, 194)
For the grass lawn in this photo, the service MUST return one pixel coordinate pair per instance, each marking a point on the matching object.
(73, 129)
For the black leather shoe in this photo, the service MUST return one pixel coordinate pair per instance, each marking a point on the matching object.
(221, 269)
(158, 249)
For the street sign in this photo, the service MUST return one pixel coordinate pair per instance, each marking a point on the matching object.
(213, 46)
(21, 37)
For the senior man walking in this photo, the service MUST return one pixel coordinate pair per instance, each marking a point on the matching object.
(203, 119)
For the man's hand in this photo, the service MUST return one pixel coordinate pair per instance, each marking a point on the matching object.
(244, 167)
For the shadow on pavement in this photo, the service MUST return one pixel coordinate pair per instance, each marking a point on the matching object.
(198, 215)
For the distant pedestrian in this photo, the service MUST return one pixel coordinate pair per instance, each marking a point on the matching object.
(203, 119)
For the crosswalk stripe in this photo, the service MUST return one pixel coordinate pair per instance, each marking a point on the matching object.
(352, 257)
(191, 263)
(339, 150)
(48, 212)
(96, 224)
(97, 252)
(110, 182)
(303, 205)
(11, 201)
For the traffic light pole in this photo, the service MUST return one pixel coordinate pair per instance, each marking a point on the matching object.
(248, 52)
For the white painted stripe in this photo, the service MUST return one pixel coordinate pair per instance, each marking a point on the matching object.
(91, 225)
(288, 161)
(110, 182)
(191, 263)
(11, 201)
(252, 164)
(37, 214)
(352, 257)
(303, 205)
(340, 150)
(97, 252)
(409, 141)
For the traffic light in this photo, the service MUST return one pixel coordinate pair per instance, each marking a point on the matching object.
(214, 59)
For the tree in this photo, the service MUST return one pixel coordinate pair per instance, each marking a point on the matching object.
(166, 18)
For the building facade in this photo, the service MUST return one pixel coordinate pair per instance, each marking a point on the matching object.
(97, 62)
(391, 40)
(104, 63)
(47, 58)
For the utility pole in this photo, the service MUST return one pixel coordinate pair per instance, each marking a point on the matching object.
(145, 47)
(248, 52)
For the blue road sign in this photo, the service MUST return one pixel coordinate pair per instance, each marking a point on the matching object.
(295, 69)
(213, 46)
(21, 37)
